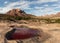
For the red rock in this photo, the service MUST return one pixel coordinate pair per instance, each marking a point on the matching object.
(16, 12)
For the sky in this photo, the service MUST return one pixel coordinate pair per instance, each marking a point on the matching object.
(35, 7)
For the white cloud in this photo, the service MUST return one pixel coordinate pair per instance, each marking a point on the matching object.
(47, 0)
(26, 5)
(5, 2)
(38, 7)
(12, 5)
(48, 10)
(46, 5)
(22, 4)
(4, 10)
(43, 1)
(44, 10)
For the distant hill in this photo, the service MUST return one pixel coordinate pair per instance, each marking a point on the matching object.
(16, 14)
(51, 16)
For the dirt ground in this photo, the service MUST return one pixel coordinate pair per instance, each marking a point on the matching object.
(52, 29)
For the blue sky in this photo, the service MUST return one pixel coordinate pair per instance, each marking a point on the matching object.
(35, 7)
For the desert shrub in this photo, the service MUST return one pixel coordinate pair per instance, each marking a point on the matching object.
(22, 18)
(53, 20)
(23, 26)
(47, 20)
(57, 21)
(18, 18)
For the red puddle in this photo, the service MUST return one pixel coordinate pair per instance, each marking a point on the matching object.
(16, 36)
(22, 34)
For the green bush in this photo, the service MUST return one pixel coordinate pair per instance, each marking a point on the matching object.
(57, 21)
